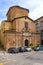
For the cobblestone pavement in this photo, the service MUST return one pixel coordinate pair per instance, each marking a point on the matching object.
(25, 58)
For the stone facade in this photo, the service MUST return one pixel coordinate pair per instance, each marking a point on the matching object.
(19, 30)
(16, 11)
(39, 28)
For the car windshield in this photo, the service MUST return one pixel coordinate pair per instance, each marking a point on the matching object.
(37, 47)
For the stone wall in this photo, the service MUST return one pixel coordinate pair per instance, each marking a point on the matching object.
(15, 12)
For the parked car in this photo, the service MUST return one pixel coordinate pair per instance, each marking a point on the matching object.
(39, 48)
(13, 50)
(29, 49)
(22, 49)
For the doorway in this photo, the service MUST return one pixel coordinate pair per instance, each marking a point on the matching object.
(26, 43)
(41, 42)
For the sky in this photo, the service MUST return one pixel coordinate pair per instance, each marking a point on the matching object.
(35, 7)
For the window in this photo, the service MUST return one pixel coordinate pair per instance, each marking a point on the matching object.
(37, 31)
(41, 33)
(26, 25)
(36, 23)
(37, 27)
(41, 23)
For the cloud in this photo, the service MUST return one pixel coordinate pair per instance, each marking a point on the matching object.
(38, 11)
(35, 7)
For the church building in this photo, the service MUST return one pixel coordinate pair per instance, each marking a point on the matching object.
(19, 29)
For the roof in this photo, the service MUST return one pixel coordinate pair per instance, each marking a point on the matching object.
(39, 18)
(19, 18)
(17, 7)
(6, 21)
(24, 17)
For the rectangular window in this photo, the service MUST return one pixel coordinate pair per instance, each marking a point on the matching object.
(26, 25)
(41, 33)
(41, 23)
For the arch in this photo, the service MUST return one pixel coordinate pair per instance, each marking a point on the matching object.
(26, 42)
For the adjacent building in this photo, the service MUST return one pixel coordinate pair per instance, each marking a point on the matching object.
(39, 28)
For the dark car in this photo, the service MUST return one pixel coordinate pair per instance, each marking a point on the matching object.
(13, 50)
(39, 48)
(22, 49)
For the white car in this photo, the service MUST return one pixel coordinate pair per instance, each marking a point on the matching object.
(29, 49)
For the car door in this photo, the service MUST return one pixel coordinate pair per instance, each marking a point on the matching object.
(41, 47)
